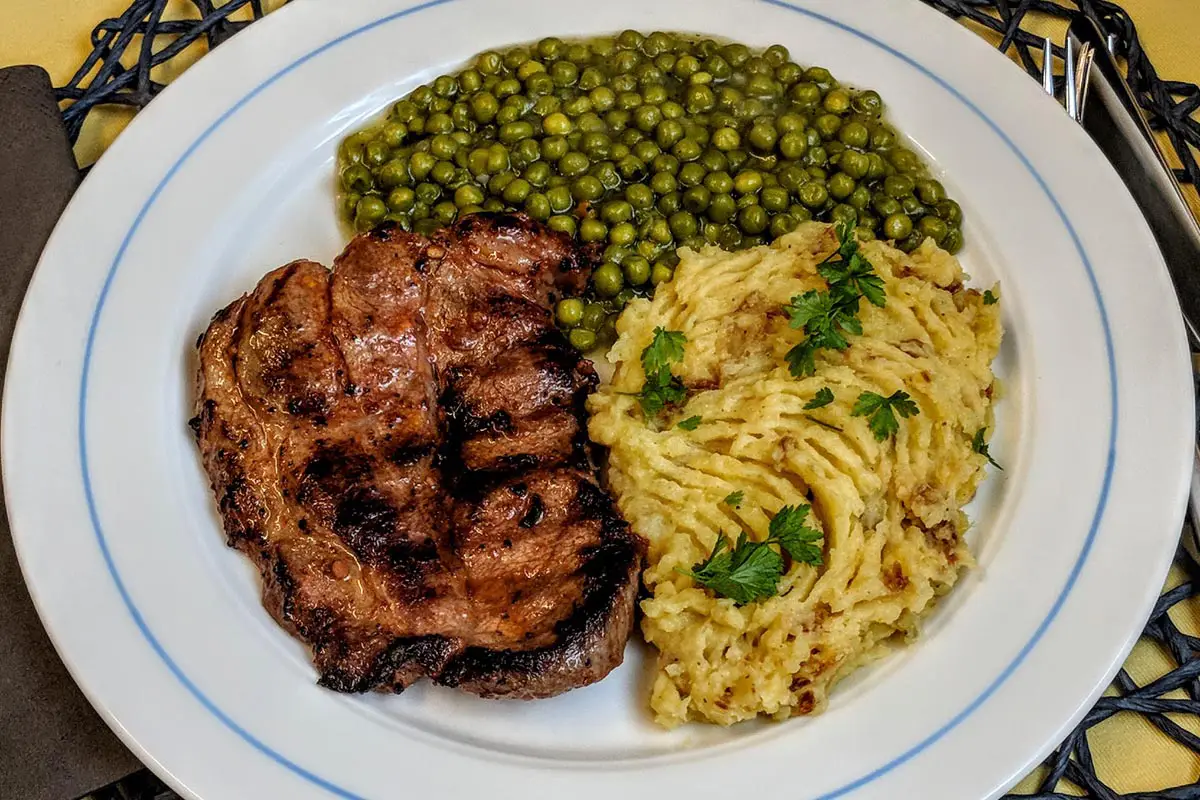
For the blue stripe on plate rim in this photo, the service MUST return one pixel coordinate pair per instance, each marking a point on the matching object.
(841, 791)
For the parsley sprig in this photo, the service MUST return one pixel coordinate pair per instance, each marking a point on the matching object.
(828, 317)
(883, 410)
(662, 389)
(979, 445)
(822, 398)
(751, 571)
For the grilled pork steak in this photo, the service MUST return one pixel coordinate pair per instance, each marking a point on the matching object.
(399, 446)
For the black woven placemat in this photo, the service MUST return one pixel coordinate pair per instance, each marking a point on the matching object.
(119, 72)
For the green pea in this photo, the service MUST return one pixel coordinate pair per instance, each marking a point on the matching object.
(753, 219)
(949, 211)
(562, 223)
(898, 186)
(876, 166)
(854, 134)
(668, 204)
(587, 188)
(827, 125)
(696, 199)
(774, 199)
(489, 63)
(515, 132)
(428, 193)
(906, 161)
(401, 199)
(842, 214)
(953, 241)
(631, 168)
(607, 174)
(582, 339)
(661, 273)
(687, 150)
(897, 226)
(420, 165)
(369, 212)
(837, 101)
(443, 146)
(445, 212)
(841, 186)
(722, 208)
(492, 204)
(813, 194)
(683, 224)
(805, 94)
(792, 177)
(573, 164)
(748, 181)
(933, 228)
(882, 138)
(718, 182)
(930, 192)
(623, 234)
(860, 198)
(762, 137)
(691, 174)
(639, 196)
(699, 99)
(815, 157)
(647, 150)
(608, 279)
(868, 102)
(663, 183)
(616, 211)
(442, 172)
(819, 76)
(782, 224)
(376, 152)
(910, 243)
(592, 230)
(912, 206)
(356, 178)
(864, 233)
(854, 164)
(469, 195)
(559, 199)
(817, 173)
(886, 206)
(637, 270)
(793, 144)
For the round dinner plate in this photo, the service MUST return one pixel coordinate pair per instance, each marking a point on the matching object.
(230, 173)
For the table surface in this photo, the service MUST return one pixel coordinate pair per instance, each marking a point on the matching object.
(1130, 754)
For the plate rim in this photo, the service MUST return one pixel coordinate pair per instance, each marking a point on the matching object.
(249, 738)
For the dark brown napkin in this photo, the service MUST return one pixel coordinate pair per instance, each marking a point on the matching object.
(52, 743)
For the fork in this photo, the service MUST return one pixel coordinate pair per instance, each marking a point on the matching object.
(1077, 74)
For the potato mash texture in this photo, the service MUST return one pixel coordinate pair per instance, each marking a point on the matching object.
(890, 511)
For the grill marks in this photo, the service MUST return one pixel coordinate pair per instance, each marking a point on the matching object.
(399, 445)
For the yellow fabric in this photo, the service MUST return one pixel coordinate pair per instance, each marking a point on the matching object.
(1130, 754)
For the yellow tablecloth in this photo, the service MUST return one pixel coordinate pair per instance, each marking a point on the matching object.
(1130, 754)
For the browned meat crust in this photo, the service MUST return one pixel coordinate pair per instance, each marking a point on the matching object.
(399, 446)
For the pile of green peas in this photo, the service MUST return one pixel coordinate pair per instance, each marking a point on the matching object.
(643, 144)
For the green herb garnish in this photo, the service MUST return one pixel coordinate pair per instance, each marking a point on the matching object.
(822, 398)
(734, 499)
(690, 424)
(980, 445)
(990, 299)
(662, 389)
(828, 317)
(883, 411)
(751, 570)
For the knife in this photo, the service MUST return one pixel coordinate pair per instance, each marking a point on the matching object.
(1115, 121)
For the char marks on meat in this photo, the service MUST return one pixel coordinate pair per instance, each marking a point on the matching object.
(399, 445)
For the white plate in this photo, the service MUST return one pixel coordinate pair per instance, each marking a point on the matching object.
(228, 174)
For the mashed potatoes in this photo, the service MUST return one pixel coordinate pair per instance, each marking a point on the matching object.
(889, 511)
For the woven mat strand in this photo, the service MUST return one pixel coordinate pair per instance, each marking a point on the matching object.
(130, 49)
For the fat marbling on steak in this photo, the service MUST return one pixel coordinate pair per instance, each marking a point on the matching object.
(399, 445)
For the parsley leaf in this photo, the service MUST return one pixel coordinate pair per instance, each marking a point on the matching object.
(882, 411)
(751, 570)
(980, 445)
(747, 573)
(690, 424)
(799, 540)
(828, 317)
(662, 389)
(664, 350)
(822, 398)
(734, 498)
(990, 299)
